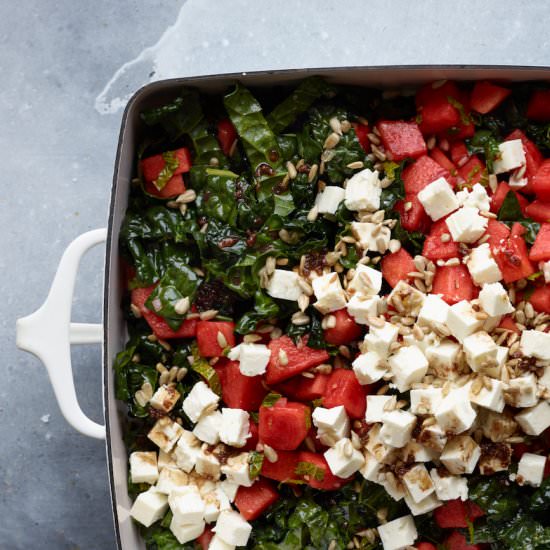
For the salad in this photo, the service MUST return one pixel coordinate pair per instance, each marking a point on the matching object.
(338, 311)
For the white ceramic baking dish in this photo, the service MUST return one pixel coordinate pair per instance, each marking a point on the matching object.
(48, 333)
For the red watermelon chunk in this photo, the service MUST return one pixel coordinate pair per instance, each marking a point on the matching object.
(539, 211)
(284, 425)
(436, 112)
(457, 541)
(284, 468)
(208, 338)
(472, 171)
(540, 299)
(541, 181)
(343, 388)
(397, 266)
(240, 391)
(253, 501)
(299, 358)
(434, 248)
(174, 186)
(512, 258)
(421, 173)
(345, 331)
(151, 167)
(401, 139)
(540, 251)
(362, 133)
(325, 479)
(539, 106)
(487, 96)
(412, 214)
(304, 389)
(457, 514)
(500, 194)
(454, 283)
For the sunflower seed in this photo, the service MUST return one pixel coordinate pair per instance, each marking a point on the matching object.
(378, 153)
(292, 173)
(164, 378)
(394, 245)
(140, 398)
(332, 141)
(357, 165)
(251, 338)
(335, 125)
(312, 173)
(308, 375)
(182, 306)
(187, 197)
(208, 314)
(270, 453)
(313, 214)
(407, 206)
(283, 358)
(303, 302)
(373, 138)
(275, 333)
(182, 373)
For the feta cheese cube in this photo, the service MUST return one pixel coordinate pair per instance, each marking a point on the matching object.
(377, 406)
(429, 340)
(366, 281)
(438, 199)
(361, 307)
(237, 471)
(502, 355)
(418, 482)
(512, 155)
(215, 502)
(429, 504)
(328, 200)
(491, 323)
(379, 340)
(343, 459)
(406, 299)
(397, 427)
(425, 400)
(149, 506)
(447, 486)
(369, 368)
(187, 451)
(466, 225)
(531, 469)
(200, 400)
(165, 433)
(476, 198)
(443, 359)
(186, 532)
(374, 444)
(462, 320)
(219, 544)
(495, 457)
(392, 485)
(207, 465)
(143, 467)
(334, 419)
(535, 420)
(455, 414)
(229, 488)
(253, 358)
(371, 467)
(408, 365)
(371, 236)
(434, 311)
(493, 398)
(232, 528)
(283, 284)
(171, 479)
(207, 428)
(234, 428)
(363, 191)
(398, 534)
(329, 293)
(482, 266)
(545, 268)
(433, 437)
(165, 460)
(494, 300)
(460, 455)
(522, 391)
(415, 452)
(535, 343)
(497, 426)
(165, 398)
(187, 508)
(544, 380)
(481, 353)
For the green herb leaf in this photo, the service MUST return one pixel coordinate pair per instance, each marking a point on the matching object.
(485, 142)
(171, 164)
(203, 367)
(270, 399)
(464, 118)
(510, 209)
(311, 470)
(255, 461)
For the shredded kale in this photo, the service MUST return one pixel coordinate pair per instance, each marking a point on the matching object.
(510, 213)
(485, 142)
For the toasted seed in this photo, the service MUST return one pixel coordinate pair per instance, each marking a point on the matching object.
(529, 311)
(166, 345)
(376, 322)
(378, 153)
(481, 315)
(251, 338)
(307, 374)
(189, 196)
(332, 141)
(445, 238)
(303, 302)
(173, 374)
(292, 172)
(140, 398)
(452, 262)
(356, 165)
(283, 358)
(313, 214)
(476, 386)
(208, 314)
(183, 210)
(487, 214)
(136, 311)
(164, 378)
(394, 245)
(222, 340)
(335, 125)
(182, 306)
(270, 453)
(312, 173)
(160, 368)
(407, 206)
(344, 350)
(324, 368)
(275, 333)
(419, 284)
(233, 148)
(430, 144)
(182, 373)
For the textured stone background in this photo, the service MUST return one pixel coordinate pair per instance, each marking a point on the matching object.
(57, 152)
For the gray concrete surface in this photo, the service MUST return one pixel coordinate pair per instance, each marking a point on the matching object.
(56, 158)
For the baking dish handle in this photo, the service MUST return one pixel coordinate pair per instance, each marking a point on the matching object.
(48, 333)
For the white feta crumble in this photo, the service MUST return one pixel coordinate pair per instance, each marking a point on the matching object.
(418, 482)
(406, 299)
(494, 300)
(283, 284)
(434, 311)
(366, 281)
(217, 543)
(443, 359)
(493, 398)
(237, 471)
(535, 343)
(187, 507)
(455, 414)
(253, 358)
(425, 400)
(376, 446)
(333, 422)
(232, 528)
(545, 268)
(343, 459)
(466, 225)
(187, 451)
(143, 467)
(186, 532)
(482, 266)
(462, 320)
(207, 428)
(329, 293)
(361, 307)
(171, 479)
(535, 420)
(512, 156)
(415, 452)
(207, 465)
(438, 199)
(371, 467)
(522, 391)
(234, 428)
(380, 339)
(476, 198)
(429, 504)
(377, 406)
(200, 400)
(363, 191)
(397, 427)
(371, 236)
(369, 368)
(149, 506)
(449, 487)
(215, 502)
(461, 455)
(398, 534)
(165, 433)
(408, 365)
(481, 353)
(531, 469)
(165, 398)
(328, 200)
